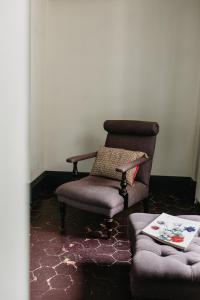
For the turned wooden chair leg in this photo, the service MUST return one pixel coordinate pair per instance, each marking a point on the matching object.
(62, 217)
(109, 224)
(146, 205)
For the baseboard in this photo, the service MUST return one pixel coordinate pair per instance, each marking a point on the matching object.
(197, 206)
(179, 185)
(48, 181)
(38, 180)
(172, 181)
(37, 185)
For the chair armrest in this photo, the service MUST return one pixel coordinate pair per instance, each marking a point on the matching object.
(126, 167)
(77, 158)
(123, 169)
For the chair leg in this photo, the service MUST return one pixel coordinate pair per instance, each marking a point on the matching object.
(109, 224)
(146, 205)
(62, 217)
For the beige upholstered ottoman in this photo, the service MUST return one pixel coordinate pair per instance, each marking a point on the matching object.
(160, 271)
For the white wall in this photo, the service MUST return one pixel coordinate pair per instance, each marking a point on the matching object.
(197, 169)
(14, 38)
(130, 59)
(38, 17)
(197, 194)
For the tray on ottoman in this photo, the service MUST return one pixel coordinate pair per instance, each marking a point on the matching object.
(161, 271)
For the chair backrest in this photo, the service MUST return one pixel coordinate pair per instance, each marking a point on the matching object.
(135, 136)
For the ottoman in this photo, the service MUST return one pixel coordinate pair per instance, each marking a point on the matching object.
(160, 271)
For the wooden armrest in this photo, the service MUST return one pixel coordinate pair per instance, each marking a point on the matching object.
(124, 168)
(75, 159)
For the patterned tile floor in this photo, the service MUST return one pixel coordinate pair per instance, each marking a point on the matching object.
(83, 264)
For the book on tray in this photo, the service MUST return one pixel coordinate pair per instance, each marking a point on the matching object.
(171, 230)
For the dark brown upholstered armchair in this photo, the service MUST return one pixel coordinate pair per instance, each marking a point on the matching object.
(108, 196)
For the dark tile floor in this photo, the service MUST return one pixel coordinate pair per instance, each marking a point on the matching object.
(83, 264)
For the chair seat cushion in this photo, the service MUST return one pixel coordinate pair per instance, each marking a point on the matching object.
(99, 194)
(161, 271)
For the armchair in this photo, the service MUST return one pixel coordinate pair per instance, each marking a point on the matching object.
(107, 196)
